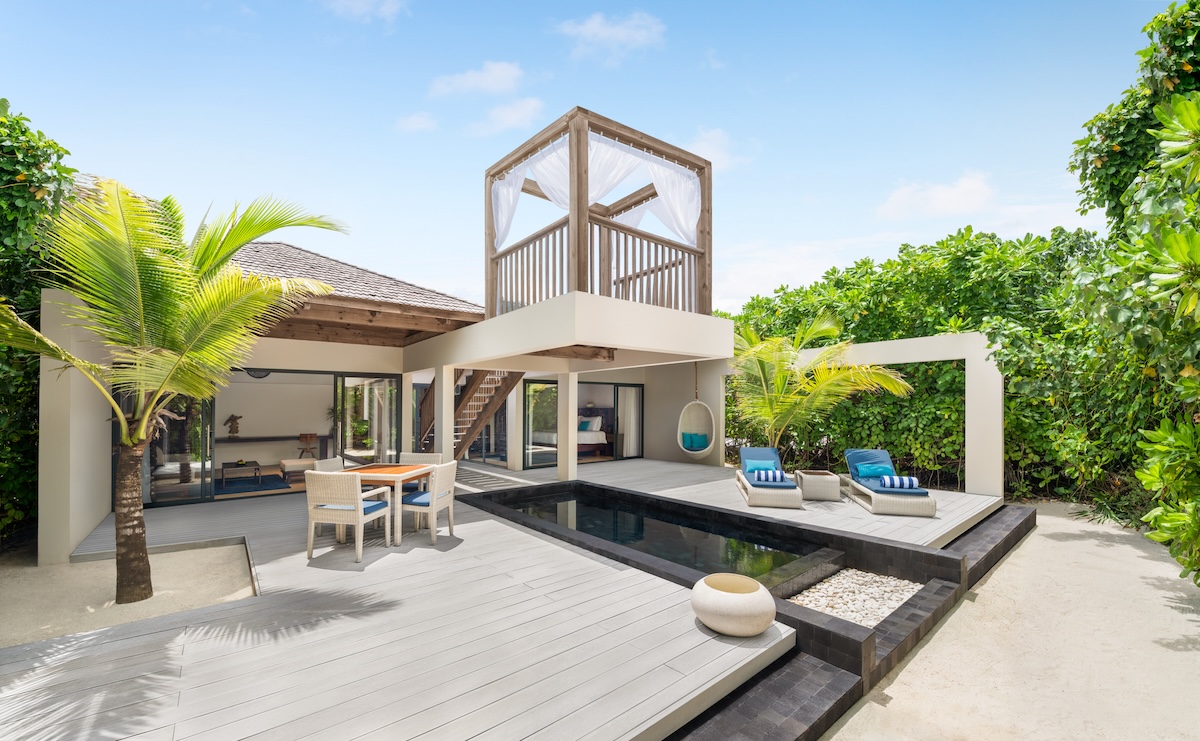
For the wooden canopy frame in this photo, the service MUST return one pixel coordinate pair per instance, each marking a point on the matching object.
(576, 123)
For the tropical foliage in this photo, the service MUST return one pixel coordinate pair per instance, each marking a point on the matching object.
(173, 316)
(34, 183)
(785, 391)
(1099, 340)
(1117, 146)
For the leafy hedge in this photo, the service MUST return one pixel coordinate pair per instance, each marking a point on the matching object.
(967, 282)
(33, 182)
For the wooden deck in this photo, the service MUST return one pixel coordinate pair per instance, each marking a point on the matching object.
(497, 632)
(957, 512)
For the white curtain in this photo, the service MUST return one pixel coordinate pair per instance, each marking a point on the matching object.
(629, 416)
(609, 163)
(678, 202)
(551, 168)
(505, 194)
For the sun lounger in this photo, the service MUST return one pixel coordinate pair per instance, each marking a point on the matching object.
(880, 500)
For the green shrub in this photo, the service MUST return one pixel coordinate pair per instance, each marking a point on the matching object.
(33, 183)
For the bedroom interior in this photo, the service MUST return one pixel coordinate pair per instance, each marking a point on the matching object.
(609, 422)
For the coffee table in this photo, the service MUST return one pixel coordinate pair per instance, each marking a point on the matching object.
(243, 471)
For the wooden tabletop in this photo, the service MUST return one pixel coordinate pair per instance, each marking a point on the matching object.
(387, 469)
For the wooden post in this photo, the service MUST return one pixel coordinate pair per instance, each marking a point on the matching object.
(489, 249)
(577, 221)
(704, 244)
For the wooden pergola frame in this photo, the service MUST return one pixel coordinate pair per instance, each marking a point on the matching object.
(577, 123)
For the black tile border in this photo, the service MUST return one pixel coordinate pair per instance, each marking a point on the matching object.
(990, 540)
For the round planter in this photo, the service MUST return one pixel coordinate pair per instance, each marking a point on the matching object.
(733, 605)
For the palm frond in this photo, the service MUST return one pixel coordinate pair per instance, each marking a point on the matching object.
(112, 249)
(16, 332)
(217, 243)
(822, 327)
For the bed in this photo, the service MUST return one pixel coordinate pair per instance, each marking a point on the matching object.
(589, 441)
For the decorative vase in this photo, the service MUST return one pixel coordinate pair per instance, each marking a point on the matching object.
(733, 605)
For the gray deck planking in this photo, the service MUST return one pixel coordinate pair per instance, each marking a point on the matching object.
(714, 486)
(497, 632)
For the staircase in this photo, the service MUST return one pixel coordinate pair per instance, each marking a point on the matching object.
(477, 399)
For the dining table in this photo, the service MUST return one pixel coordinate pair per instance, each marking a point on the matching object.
(394, 475)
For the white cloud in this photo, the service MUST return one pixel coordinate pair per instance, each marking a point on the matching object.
(758, 268)
(366, 11)
(971, 193)
(493, 78)
(520, 114)
(715, 146)
(712, 61)
(421, 121)
(612, 39)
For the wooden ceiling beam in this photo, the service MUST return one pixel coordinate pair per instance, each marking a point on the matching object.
(634, 199)
(289, 330)
(392, 308)
(369, 318)
(580, 352)
(532, 188)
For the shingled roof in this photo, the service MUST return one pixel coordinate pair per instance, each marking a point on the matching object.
(282, 260)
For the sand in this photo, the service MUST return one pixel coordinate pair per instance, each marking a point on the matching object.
(50, 601)
(1085, 630)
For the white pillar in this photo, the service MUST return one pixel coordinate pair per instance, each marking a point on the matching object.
(568, 426)
(443, 411)
(75, 440)
(515, 429)
(984, 427)
(406, 413)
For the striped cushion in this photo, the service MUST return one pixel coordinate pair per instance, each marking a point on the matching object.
(772, 475)
(899, 482)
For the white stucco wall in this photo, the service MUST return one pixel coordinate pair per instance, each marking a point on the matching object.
(983, 402)
(668, 389)
(280, 404)
(75, 445)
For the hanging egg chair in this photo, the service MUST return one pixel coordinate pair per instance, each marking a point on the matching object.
(697, 430)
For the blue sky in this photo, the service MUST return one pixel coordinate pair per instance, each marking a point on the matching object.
(837, 130)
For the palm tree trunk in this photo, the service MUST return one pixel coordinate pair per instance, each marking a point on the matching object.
(133, 563)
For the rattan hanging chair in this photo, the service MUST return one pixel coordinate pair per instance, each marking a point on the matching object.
(696, 419)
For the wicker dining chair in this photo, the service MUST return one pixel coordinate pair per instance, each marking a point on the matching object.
(438, 496)
(338, 498)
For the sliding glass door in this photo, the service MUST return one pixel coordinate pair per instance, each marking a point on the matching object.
(628, 443)
(367, 418)
(541, 423)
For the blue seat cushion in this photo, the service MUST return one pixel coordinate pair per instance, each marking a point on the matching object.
(695, 441)
(873, 485)
(410, 486)
(369, 506)
(856, 457)
(416, 499)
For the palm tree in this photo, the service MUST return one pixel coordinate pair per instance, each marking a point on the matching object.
(780, 388)
(174, 316)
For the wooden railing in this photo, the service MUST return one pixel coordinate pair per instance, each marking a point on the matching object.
(639, 266)
(534, 269)
(622, 262)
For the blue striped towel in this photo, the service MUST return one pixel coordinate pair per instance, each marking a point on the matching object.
(899, 482)
(772, 475)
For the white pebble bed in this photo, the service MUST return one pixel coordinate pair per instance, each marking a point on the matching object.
(858, 596)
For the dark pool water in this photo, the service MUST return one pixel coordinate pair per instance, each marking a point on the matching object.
(662, 534)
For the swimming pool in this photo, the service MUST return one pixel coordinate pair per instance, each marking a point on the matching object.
(692, 542)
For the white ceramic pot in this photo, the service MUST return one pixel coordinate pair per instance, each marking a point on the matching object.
(733, 605)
